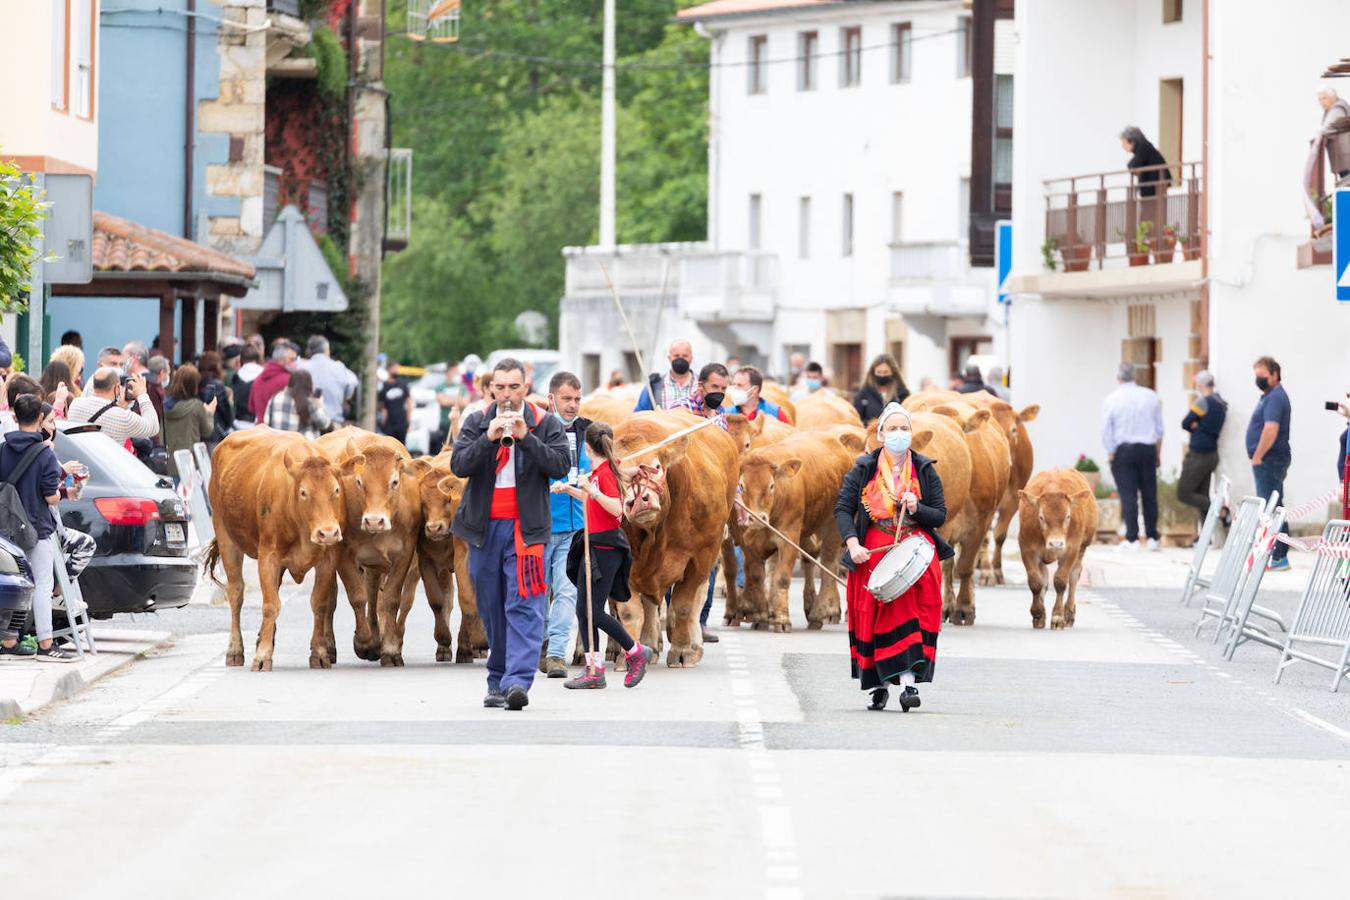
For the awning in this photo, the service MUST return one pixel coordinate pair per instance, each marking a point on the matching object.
(293, 276)
(124, 251)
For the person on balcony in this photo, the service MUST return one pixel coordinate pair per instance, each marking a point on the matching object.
(672, 389)
(882, 385)
(1143, 155)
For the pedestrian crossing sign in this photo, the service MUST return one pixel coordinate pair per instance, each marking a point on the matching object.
(1340, 229)
(1003, 253)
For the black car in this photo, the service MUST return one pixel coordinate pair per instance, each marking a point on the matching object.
(16, 581)
(138, 522)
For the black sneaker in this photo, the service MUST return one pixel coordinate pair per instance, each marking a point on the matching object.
(55, 654)
(495, 699)
(20, 650)
(517, 698)
(909, 699)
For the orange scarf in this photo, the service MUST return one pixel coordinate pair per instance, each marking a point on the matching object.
(881, 496)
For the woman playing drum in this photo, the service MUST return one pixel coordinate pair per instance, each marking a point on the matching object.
(895, 642)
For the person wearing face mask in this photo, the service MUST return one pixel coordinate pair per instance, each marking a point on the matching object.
(671, 390)
(889, 495)
(564, 397)
(812, 380)
(883, 385)
(706, 403)
(746, 384)
(1268, 444)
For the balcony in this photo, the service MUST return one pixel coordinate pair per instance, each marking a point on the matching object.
(1330, 150)
(729, 286)
(926, 261)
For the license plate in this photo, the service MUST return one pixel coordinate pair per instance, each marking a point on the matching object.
(174, 532)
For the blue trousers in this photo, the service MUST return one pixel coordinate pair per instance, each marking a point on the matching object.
(514, 624)
(563, 612)
(1270, 480)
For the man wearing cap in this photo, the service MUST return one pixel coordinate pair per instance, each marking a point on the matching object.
(1132, 432)
(1204, 420)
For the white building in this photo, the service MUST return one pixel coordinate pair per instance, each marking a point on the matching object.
(1086, 70)
(839, 159)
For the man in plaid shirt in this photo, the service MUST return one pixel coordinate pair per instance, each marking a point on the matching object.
(705, 400)
(674, 388)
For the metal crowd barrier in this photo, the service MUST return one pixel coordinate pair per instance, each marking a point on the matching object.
(1322, 618)
(1195, 581)
(1236, 617)
(192, 488)
(1228, 574)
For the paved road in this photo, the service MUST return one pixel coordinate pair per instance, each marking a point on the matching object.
(1116, 759)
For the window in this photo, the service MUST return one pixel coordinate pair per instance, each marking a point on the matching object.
(807, 44)
(60, 54)
(758, 68)
(963, 50)
(847, 247)
(804, 228)
(897, 216)
(756, 208)
(1003, 129)
(901, 51)
(1171, 11)
(850, 59)
(82, 38)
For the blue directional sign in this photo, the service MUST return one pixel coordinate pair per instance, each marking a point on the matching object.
(1340, 230)
(1003, 254)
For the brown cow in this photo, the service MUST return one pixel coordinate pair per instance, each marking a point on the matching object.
(275, 498)
(674, 516)
(990, 464)
(825, 408)
(383, 518)
(607, 408)
(440, 557)
(1057, 521)
(794, 485)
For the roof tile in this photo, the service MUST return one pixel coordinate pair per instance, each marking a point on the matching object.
(121, 245)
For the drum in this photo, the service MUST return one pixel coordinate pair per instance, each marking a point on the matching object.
(901, 568)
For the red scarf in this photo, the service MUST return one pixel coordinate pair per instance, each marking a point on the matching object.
(530, 580)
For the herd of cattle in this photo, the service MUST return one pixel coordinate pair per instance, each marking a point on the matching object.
(356, 506)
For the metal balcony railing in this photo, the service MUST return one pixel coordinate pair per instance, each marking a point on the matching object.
(1092, 218)
(398, 212)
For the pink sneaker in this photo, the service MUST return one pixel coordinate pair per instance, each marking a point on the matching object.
(637, 666)
(586, 681)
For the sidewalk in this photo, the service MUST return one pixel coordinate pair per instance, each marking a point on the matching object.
(1107, 566)
(27, 685)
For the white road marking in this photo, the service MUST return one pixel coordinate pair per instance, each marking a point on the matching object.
(1320, 723)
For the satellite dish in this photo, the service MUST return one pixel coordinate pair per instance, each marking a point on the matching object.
(532, 327)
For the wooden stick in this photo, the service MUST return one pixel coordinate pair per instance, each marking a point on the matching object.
(590, 613)
(683, 432)
(827, 570)
(637, 351)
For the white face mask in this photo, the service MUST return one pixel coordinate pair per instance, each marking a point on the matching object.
(739, 397)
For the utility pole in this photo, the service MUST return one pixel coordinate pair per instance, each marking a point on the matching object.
(607, 152)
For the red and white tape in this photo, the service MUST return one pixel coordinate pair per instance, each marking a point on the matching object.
(1320, 504)
(1264, 541)
(1318, 545)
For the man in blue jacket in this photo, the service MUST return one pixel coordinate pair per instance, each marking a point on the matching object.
(672, 389)
(564, 394)
(508, 452)
(1204, 420)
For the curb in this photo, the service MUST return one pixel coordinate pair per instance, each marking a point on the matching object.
(64, 685)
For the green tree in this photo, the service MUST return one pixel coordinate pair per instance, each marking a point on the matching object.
(506, 161)
(22, 211)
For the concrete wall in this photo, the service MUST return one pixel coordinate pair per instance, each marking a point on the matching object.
(1263, 118)
(142, 131)
(29, 126)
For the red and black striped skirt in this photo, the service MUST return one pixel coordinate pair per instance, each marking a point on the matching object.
(886, 639)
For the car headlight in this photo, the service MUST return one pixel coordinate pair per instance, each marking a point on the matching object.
(8, 564)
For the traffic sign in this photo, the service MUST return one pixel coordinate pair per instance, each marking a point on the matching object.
(1003, 253)
(1340, 230)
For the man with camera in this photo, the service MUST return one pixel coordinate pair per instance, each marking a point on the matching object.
(508, 452)
(119, 405)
